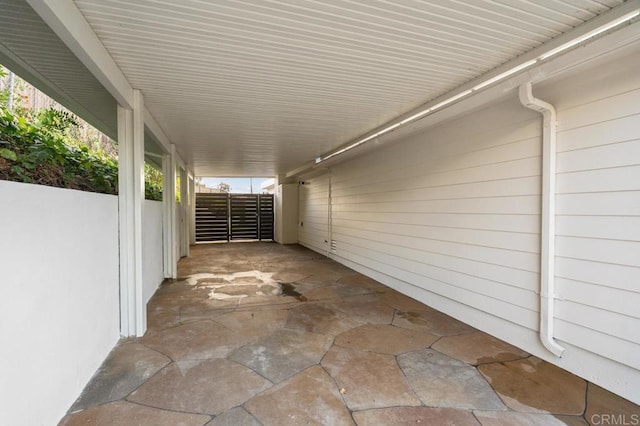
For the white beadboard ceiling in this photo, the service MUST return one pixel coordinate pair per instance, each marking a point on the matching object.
(31, 49)
(259, 87)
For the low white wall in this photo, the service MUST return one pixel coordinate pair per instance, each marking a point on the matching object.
(152, 260)
(59, 314)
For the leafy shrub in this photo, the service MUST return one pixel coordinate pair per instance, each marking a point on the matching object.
(152, 183)
(42, 151)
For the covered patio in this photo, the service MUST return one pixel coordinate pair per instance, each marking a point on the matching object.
(456, 202)
(260, 333)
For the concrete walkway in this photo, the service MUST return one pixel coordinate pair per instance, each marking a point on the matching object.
(258, 333)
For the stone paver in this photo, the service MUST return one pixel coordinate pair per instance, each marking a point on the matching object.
(283, 354)
(401, 302)
(414, 415)
(317, 318)
(125, 413)
(174, 300)
(369, 380)
(602, 402)
(197, 340)
(310, 397)
(366, 309)
(431, 321)
(328, 342)
(160, 318)
(316, 293)
(510, 418)
(197, 387)
(359, 280)
(254, 322)
(478, 348)
(384, 339)
(535, 386)
(572, 420)
(442, 381)
(343, 289)
(127, 367)
(206, 310)
(234, 417)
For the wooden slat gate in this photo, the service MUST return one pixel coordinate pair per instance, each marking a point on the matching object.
(224, 217)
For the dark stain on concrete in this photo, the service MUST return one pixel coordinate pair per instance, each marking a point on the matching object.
(289, 289)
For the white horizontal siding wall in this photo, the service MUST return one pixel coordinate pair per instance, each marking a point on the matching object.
(454, 212)
(598, 219)
(313, 219)
(452, 217)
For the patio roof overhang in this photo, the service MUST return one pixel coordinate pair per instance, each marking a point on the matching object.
(265, 88)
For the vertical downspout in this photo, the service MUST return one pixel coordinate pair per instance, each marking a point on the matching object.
(547, 233)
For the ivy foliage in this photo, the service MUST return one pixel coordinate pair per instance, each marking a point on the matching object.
(41, 149)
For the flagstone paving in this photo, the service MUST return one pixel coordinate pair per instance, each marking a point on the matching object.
(264, 334)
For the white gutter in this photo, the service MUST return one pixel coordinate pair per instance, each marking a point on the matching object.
(547, 233)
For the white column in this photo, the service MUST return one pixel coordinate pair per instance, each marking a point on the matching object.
(166, 214)
(169, 206)
(133, 313)
(192, 209)
(184, 212)
(175, 223)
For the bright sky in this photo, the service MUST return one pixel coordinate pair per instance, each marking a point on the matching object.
(238, 185)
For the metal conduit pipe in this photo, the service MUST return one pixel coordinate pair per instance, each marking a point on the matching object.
(547, 232)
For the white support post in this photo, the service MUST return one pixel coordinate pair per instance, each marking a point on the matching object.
(175, 225)
(166, 215)
(175, 247)
(184, 212)
(169, 206)
(192, 210)
(133, 314)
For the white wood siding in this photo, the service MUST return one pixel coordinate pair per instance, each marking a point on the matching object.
(598, 225)
(452, 217)
(313, 224)
(454, 212)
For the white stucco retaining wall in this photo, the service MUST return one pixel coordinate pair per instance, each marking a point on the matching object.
(152, 261)
(59, 314)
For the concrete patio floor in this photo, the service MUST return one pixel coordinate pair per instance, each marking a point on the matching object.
(259, 333)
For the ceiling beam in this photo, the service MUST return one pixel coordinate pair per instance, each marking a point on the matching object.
(157, 132)
(42, 83)
(66, 20)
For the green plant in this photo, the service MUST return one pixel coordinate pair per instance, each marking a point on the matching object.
(4, 93)
(43, 151)
(152, 183)
(55, 120)
(40, 152)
